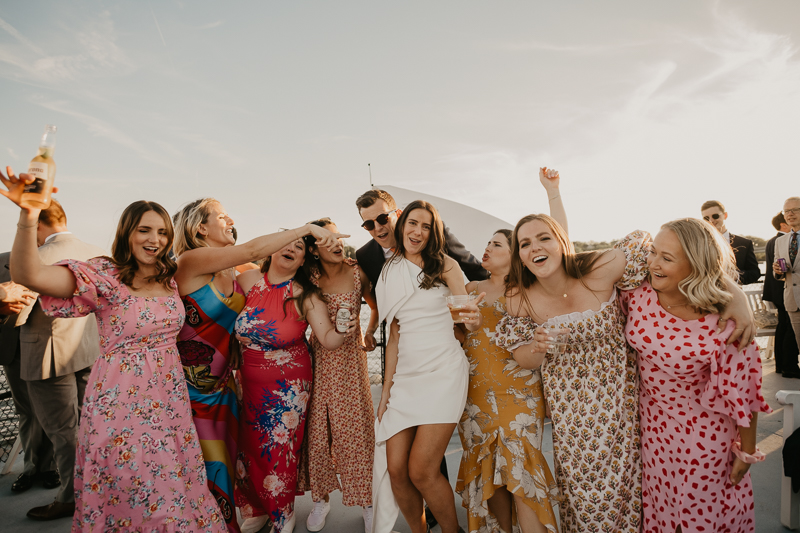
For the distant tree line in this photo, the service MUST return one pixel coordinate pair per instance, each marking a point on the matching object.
(581, 246)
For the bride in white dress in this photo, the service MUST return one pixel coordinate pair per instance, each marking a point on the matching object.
(425, 383)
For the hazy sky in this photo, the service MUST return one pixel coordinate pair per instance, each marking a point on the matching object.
(647, 109)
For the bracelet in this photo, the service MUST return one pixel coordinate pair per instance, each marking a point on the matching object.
(22, 226)
(554, 197)
(756, 457)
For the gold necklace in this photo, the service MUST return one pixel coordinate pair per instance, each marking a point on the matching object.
(674, 305)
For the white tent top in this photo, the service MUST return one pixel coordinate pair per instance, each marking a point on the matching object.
(471, 226)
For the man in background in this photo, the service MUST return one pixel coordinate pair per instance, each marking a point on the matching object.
(714, 212)
(37, 458)
(786, 349)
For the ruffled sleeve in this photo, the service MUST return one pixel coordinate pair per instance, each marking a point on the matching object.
(734, 387)
(97, 287)
(514, 331)
(635, 246)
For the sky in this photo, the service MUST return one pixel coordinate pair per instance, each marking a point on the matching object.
(647, 109)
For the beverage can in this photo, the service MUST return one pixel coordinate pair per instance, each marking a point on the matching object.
(342, 318)
(782, 264)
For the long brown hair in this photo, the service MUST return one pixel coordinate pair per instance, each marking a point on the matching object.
(122, 255)
(433, 255)
(303, 278)
(576, 265)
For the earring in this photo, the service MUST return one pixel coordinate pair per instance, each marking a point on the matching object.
(316, 257)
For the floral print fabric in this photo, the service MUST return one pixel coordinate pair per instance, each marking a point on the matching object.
(276, 387)
(592, 390)
(139, 464)
(694, 392)
(342, 407)
(501, 431)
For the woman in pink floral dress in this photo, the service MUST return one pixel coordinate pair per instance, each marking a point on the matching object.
(276, 382)
(139, 465)
(699, 399)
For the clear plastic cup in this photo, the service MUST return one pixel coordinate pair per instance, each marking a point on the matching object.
(456, 305)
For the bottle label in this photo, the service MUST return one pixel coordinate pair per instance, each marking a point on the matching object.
(39, 172)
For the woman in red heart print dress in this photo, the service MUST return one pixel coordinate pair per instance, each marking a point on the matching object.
(698, 399)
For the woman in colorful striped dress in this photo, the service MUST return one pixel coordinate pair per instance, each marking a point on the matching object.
(206, 278)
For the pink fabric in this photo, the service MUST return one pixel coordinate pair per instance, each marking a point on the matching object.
(694, 392)
(139, 465)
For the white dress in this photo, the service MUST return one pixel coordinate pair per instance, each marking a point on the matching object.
(430, 382)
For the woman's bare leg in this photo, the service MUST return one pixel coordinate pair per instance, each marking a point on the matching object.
(427, 450)
(409, 499)
(528, 521)
(500, 506)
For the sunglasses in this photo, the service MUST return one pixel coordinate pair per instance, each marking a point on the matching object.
(382, 219)
(715, 216)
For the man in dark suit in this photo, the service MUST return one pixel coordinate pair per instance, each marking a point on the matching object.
(37, 459)
(786, 349)
(786, 248)
(714, 212)
(379, 212)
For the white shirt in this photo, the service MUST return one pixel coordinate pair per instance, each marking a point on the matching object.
(50, 237)
(387, 252)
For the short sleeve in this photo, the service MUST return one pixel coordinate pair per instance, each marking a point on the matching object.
(734, 387)
(514, 331)
(635, 246)
(97, 287)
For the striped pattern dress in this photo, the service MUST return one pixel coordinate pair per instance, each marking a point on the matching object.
(204, 348)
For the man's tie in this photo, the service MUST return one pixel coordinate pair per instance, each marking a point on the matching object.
(793, 247)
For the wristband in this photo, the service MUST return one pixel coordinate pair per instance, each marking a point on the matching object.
(756, 457)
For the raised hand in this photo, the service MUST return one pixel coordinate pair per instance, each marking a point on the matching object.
(471, 315)
(325, 238)
(15, 185)
(549, 178)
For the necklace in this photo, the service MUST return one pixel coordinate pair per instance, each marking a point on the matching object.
(674, 305)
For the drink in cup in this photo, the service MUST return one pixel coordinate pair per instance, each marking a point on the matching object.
(456, 305)
(558, 345)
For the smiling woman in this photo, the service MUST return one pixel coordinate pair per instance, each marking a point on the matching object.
(136, 429)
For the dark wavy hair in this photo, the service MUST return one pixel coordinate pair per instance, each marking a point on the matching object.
(576, 265)
(122, 255)
(433, 255)
(303, 278)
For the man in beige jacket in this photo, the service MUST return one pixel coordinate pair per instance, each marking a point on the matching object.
(56, 356)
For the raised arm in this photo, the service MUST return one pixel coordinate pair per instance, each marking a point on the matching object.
(201, 262)
(26, 267)
(550, 181)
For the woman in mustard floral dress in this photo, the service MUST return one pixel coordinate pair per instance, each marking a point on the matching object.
(503, 478)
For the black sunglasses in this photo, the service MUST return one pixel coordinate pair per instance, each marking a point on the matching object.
(381, 219)
(715, 216)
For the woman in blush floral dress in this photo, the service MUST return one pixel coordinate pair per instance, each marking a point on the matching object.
(341, 420)
(276, 379)
(138, 463)
(699, 398)
(207, 257)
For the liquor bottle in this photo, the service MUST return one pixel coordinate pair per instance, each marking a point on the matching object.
(43, 170)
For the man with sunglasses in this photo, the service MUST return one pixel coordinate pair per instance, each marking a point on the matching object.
(714, 213)
(786, 247)
(379, 212)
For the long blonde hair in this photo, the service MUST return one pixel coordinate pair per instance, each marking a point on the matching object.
(711, 258)
(187, 225)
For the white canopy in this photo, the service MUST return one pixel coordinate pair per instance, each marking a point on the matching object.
(472, 227)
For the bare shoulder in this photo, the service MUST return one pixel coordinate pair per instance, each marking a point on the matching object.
(471, 286)
(249, 278)
(450, 264)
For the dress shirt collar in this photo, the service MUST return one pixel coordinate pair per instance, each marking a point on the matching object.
(50, 237)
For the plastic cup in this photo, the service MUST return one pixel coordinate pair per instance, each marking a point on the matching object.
(456, 305)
